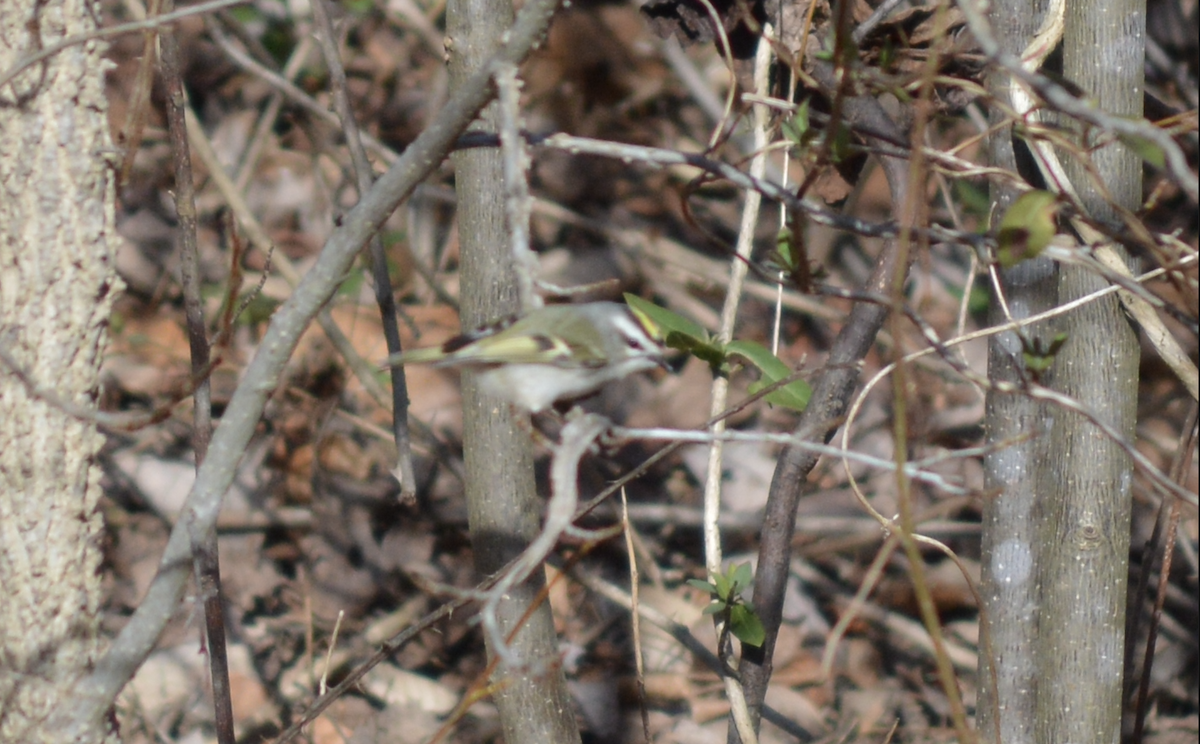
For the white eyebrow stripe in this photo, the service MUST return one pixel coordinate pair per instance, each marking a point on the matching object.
(629, 326)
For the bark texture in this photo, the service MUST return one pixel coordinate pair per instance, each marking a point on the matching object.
(1010, 548)
(503, 507)
(1089, 479)
(57, 285)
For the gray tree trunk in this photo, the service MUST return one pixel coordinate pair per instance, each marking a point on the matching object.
(1010, 548)
(1056, 538)
(1086, 499)
(503, 507)
(56, 291)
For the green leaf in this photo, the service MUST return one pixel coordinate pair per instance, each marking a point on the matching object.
(1146, 149)
(887, 54)
(704, 586)
(744, 624)
(703, 349)
(1027, 227)
(742, 576)
(797, 128)
(839, 145)
(677, 332)
(772, 369)
(783, 249)
(665, 320)
(724, 587)
(790, 256)
(714, 607)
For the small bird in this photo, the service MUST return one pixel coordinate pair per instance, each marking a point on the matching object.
(555, 353)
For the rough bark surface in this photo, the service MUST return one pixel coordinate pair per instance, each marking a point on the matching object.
(56, 290)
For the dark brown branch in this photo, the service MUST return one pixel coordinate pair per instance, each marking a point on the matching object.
(830, 398)
(379, 268)
(204, 542)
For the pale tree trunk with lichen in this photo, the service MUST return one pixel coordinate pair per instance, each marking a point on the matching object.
(57, 284)
(1089, 478)
(1011, 551)
(1056, 535)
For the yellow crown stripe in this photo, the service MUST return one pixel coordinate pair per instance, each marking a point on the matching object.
(649, 326)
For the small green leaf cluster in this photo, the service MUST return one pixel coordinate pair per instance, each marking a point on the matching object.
(1039, 355)
(798, 130)
(684, 335)
(790, 257)
(726, 592)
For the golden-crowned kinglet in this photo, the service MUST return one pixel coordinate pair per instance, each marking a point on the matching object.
(557, 352)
